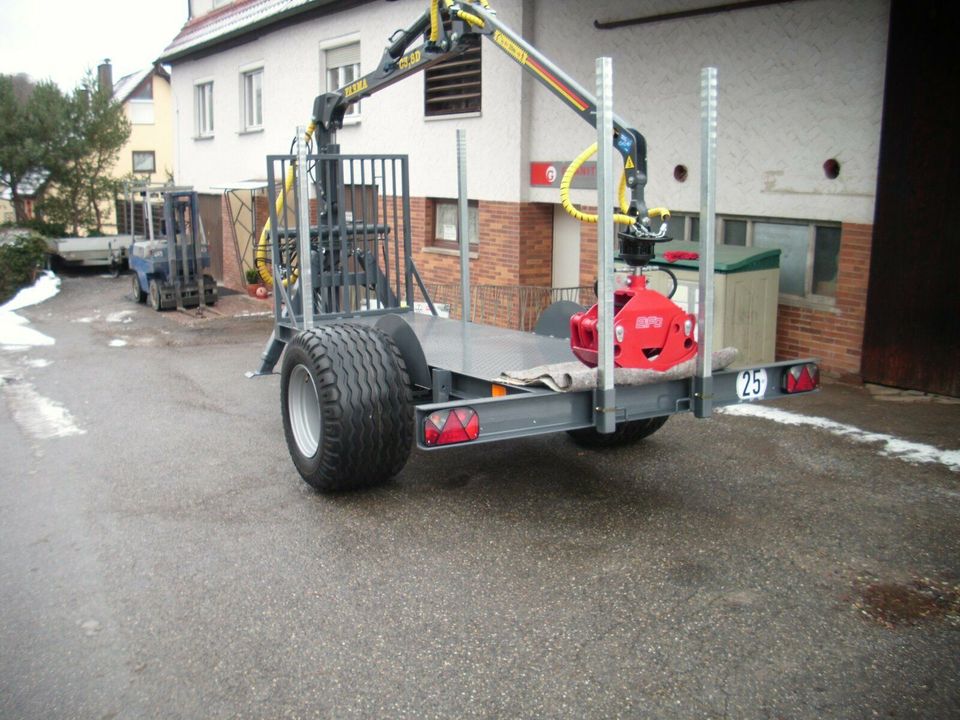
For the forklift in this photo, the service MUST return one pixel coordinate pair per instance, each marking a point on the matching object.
(168, 271)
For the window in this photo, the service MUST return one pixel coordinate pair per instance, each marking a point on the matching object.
(144, 161)
(446, 216)
(453, 86)
(343, 67)
(203, 102)
(809, 251)
(252, 92)
(140, 103)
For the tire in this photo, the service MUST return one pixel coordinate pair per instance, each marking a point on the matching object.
(155, 295)
(626, 433)
(347, 406)
(138, 294)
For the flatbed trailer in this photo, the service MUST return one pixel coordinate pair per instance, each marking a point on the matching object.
(363, 376)
(93, 251)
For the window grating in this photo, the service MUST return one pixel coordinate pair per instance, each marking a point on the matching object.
(453, 87)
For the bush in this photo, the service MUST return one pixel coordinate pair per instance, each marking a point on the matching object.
(20, 260)
(46, 229)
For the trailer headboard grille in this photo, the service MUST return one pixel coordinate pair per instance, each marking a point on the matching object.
(358, 237)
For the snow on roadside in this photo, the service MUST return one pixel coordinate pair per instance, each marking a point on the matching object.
(13, 334)
(889, 445)
(39, 416)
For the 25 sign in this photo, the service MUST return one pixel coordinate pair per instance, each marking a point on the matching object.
(752, 384)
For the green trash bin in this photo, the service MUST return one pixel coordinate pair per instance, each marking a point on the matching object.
(746, 291)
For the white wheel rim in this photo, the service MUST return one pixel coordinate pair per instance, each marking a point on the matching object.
(303, 405)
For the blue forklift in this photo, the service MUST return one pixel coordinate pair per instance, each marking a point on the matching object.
(168, 271)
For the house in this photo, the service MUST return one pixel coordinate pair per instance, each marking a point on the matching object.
(148, 104)
(817, 114)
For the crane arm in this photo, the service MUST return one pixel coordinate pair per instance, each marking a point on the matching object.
(466, 22)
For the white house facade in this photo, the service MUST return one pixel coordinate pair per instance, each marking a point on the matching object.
(800, 113)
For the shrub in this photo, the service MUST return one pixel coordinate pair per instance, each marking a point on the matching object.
(20, 259)
(41, 227)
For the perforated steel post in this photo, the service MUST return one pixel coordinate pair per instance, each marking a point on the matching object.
(703, 381)
(463, 226)
(606, 394)
(303, 232)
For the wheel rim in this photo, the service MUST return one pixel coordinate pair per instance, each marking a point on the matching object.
(303, 405)
(137, 293)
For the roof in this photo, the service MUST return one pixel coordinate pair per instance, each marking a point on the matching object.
(240, 18)
(124, 87)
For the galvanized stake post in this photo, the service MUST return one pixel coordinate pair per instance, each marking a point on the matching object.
(303, 233)
(605, 408)
(463, 224)
(703, 381)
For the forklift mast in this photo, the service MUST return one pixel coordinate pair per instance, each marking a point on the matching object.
(447, 29)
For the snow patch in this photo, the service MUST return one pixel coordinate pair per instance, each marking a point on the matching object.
(38, 363)
(39, 416)
(45, 287)
(117, 342)
(13, 334)
(124, 316)
(891, 446)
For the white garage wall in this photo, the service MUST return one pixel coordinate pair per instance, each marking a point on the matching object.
(801, 82)
(392, 121)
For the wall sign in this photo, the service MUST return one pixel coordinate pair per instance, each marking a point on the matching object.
(548, 174)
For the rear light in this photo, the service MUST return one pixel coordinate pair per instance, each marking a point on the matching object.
(448, 427)
(801, 378)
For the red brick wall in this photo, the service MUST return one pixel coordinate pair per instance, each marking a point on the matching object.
(536, 244)
(836, 335)
(516, 245)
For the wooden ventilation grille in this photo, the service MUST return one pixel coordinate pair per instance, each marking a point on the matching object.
(453, 86)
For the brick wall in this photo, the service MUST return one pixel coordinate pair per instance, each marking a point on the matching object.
(835, 335)
(516, 245)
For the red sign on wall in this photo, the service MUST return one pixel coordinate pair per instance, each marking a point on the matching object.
(549, 174)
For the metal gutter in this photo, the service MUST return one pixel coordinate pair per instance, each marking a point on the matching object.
(693, 12)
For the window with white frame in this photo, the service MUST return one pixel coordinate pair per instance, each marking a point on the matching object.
(203, 107)
(252, 93)
(809, 251)
(342, 68)
(446, 220)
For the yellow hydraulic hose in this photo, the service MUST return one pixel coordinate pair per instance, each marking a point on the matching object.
(434, 20)
(468, 18)
(260, 257)
(620, 218)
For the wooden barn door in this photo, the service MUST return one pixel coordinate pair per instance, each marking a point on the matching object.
(912, 331)
(213, 227)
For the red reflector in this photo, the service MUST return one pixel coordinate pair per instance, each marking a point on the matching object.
(448, 427)
(801, 378)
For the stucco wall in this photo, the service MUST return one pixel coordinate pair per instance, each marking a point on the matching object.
(392, 121)
(800, 82)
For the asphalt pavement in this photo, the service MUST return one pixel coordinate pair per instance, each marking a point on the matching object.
(161, 558)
